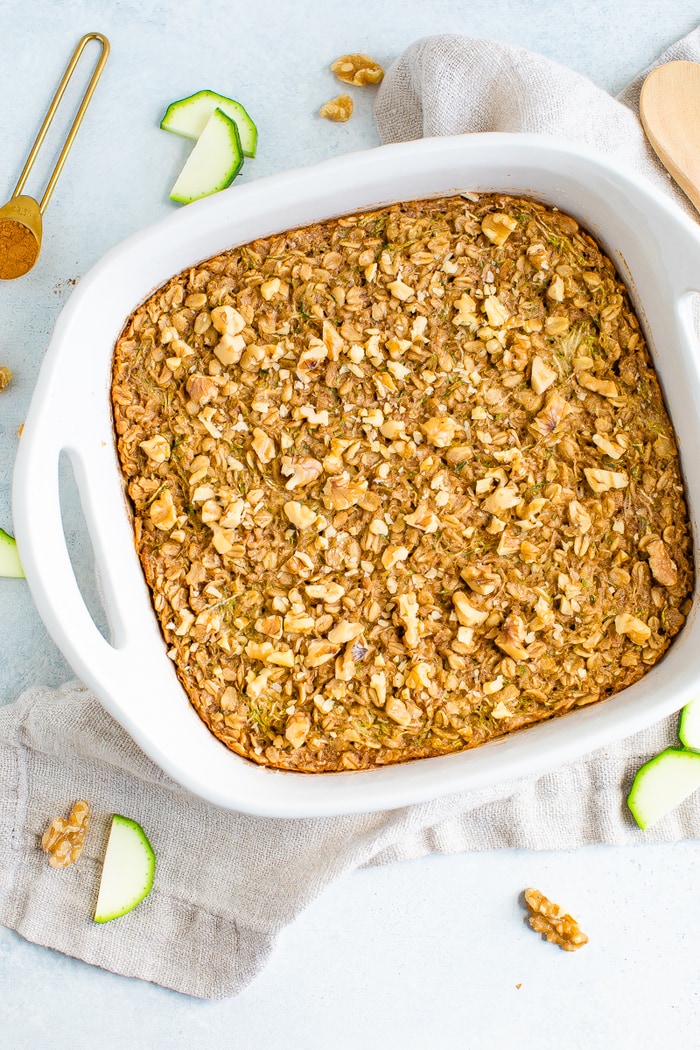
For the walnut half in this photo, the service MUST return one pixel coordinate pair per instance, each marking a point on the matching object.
(338, 109)
(357, 70)
(548, 919)
(63, 840)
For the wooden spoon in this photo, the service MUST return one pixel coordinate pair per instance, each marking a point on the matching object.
(669, 107)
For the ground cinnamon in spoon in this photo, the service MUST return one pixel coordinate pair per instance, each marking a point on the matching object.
(18, 249)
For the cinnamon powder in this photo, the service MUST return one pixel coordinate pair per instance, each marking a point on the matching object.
(18, 249)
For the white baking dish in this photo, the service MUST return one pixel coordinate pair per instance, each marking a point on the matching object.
(657, 251)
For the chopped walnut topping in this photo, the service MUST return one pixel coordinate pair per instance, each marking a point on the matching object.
(320, 651)
(480, 579)
(498, 227)
(393, 555)
(502, 499)
(604, 387)
(156, 448)
(541, 376)
(301, 470)
(400, 290)
(662, 566)
(440, 430)
(368, 461)
(408, 614)
(5, 377)
(496, 312)
(297, 728)
(299, 515)
(603, 480)
(424, 519)
(555, 410)
(345, 632)
(557, 927)
(298, 623)
(341, 493)
(357, 70)
(511, 637)
(377, 685)
(610, 448)
(579, 516)
(338, 109)
(162, 511)
(269, 625)
(466, 613)
(63, 840)
(537, 255)
(263, 445)
(556, 289)
(396, 710)
(636, 629)
(327, 592)
(227, 321)
(201, 389)
(269, 289)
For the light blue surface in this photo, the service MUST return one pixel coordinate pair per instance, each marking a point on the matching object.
(421, 954)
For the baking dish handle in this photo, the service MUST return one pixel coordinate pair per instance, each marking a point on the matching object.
(44, 550)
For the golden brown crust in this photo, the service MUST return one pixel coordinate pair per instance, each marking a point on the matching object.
(402, 482)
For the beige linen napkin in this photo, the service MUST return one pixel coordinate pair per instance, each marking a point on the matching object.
(227, 883)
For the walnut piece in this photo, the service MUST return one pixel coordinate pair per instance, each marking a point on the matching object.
(498, 227)
(542, 375)
(440, 430)
(557, 927)
(357, 70)
(63, 840)
(301, 470)
(636, 629)
(5, 377)
(297, 730)
(338, 109)
(341, 493)
(662, 567)
(299, 515)
(162, 512)
(157, 449)
(602, 480)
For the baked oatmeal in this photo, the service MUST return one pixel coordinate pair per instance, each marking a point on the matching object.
(401, 482)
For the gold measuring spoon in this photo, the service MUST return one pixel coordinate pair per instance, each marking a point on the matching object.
(21, 217)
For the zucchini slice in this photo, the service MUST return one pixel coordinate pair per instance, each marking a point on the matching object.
(188, 117)
(663, 783)
(10, 564)
(127, 871)
(213, 163)
(689, 725)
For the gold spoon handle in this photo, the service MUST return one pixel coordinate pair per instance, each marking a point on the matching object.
(104, 54)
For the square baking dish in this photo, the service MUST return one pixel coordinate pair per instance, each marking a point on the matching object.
(656, 250)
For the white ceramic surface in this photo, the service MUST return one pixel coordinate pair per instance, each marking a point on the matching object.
(657, 251)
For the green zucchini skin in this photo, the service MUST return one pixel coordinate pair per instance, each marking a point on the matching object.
(188, 117)
(663, 783)
(128, 870)
(214, 162)
(689, 725)
(10, 565)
